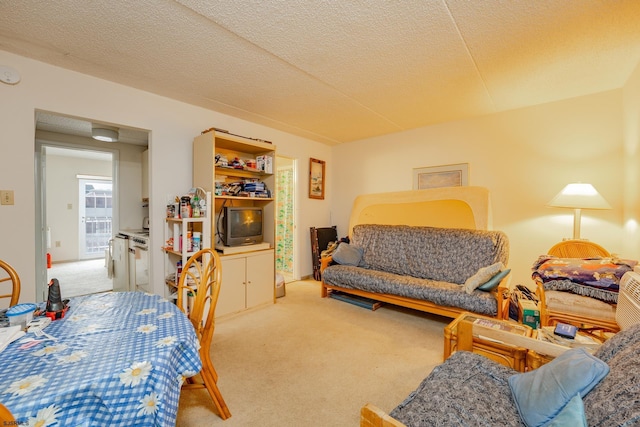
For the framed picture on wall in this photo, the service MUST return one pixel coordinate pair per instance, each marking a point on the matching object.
(456, 175)
(316, 179)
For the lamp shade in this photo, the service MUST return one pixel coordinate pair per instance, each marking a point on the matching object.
(105, 133)
(579, 196)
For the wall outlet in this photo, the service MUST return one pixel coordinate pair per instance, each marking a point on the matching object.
(6, 197)
(58, 244)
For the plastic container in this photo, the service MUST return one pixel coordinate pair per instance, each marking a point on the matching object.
(280, 286)
(196, 241)
(21, 314)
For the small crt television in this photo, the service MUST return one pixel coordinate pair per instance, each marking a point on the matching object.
(242, 225)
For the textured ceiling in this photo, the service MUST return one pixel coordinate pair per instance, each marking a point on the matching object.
(337, 71)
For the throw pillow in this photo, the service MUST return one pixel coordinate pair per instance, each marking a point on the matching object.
(571, 415)
(347, 254)
(484, 274)
(494, 281)
(541, 394)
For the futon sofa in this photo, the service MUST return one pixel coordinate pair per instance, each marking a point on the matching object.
(468, 389)
(444, 271)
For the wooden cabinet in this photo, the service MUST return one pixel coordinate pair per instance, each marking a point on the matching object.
(247, 281)
(248, 271)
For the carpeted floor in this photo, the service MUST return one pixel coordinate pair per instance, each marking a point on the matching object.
(311, 361)
(81, 277)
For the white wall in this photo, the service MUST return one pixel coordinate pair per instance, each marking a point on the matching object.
(172, 125)
(632, 164)
(525, 157)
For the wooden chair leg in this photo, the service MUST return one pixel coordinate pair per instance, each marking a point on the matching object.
(216, 396)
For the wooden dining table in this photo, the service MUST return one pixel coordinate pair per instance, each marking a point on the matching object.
(114, 359)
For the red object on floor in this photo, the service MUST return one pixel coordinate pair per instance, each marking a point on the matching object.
(48, 260)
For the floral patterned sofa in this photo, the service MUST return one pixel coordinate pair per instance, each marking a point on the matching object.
(424, 268)
(470, 390)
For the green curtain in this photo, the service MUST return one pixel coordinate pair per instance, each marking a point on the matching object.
(284, 220)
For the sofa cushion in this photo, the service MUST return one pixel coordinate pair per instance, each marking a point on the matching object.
(494, 281)
(468, 389)
(440, 254)
(439, 293)
(616, 400)
(541, 394)
(482, 276)
(347, 254)
(571, 415)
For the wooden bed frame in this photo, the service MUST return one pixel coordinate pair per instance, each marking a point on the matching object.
(451, 207)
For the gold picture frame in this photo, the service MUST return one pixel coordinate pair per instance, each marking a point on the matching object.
(316, 179)
(455, 175)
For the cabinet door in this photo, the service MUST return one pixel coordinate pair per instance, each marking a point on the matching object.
(260, 279)
(232, 290)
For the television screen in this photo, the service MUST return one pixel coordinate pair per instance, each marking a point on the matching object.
(243, 225)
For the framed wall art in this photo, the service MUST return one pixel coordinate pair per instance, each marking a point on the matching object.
(316, 179)
(456, 175)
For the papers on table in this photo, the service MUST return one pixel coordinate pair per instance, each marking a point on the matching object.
(9, 335)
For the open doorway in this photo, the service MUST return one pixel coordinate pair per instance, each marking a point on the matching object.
(79, 217)
(80, 205)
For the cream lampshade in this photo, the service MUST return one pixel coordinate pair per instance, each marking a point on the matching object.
(578, 196)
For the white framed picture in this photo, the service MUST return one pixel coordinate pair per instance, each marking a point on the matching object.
(455, 175)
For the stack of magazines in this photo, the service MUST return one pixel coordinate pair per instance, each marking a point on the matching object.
(581, 340)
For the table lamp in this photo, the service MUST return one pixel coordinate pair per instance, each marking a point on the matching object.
(578, 196)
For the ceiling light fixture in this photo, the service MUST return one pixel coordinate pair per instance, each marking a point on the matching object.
(105, 133)
(578, 196)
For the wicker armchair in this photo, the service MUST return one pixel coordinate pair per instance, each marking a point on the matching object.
(582, 311)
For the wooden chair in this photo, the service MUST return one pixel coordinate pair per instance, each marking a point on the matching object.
(595, 315)
(6, 418)
(11, 276)
(198, 290)
(576, 248)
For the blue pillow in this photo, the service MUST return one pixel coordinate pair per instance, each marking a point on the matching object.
(571, 415)
(541, 394)
(494, 281)
(347, 254)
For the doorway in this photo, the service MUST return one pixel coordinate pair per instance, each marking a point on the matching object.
(78, 212)
(97, 162)
(285, 218)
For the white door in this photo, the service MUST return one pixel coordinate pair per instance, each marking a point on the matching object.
(95, 217)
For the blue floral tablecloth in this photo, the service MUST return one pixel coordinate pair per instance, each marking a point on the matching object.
(119, 360)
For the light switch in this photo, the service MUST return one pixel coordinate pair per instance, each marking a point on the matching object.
(6, 197)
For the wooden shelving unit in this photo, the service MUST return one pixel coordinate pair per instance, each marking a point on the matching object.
(248, 277)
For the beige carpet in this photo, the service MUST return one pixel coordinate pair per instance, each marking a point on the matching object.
(81, 277)
(311, 361)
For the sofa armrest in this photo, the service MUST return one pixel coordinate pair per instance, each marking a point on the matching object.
(325, 262)
(502, 293)
(372, 416)
(544, 315)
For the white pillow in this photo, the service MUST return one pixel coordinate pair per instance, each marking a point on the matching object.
(482, 276)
